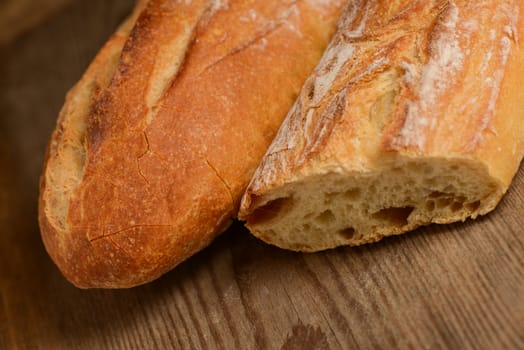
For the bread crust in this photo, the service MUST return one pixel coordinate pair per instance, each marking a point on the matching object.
(156, 144)
(443, 76)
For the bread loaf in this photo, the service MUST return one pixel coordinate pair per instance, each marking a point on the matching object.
(415, 115)
(156, 144)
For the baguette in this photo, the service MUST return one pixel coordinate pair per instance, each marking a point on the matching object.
(414, 115)
(156, 144)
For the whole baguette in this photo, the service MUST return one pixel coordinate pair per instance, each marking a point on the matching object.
(415, 115)
(156, 144)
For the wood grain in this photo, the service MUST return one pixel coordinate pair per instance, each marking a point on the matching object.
(454, 287)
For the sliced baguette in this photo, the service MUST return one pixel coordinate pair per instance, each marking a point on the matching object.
(415, 115)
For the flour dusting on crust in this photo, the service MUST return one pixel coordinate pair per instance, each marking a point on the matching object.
(437, 77)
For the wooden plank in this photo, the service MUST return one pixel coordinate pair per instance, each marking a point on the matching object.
(459, 286)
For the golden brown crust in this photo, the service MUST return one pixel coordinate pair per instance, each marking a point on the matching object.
(443, 75)
(173, 139)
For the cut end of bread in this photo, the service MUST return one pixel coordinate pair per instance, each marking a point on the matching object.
(346, 208)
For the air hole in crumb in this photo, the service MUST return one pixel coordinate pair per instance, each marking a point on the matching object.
(456, 206)
(347, 233)
(394, 216)
(396, 170)
(325, 217)
(436, 194)
(353, 193)
(430, 205)
(269, 211)
(306, 227)
(473, 207)
(444, 202)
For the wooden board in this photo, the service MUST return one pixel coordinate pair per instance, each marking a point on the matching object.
(458, 286)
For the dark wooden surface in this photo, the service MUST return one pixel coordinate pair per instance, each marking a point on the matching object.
(456, 287)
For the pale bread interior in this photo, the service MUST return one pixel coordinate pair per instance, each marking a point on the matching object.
(354, 208)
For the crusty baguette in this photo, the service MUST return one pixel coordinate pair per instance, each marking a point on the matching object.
(158, 141)
(415, 115)
(17, 16)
